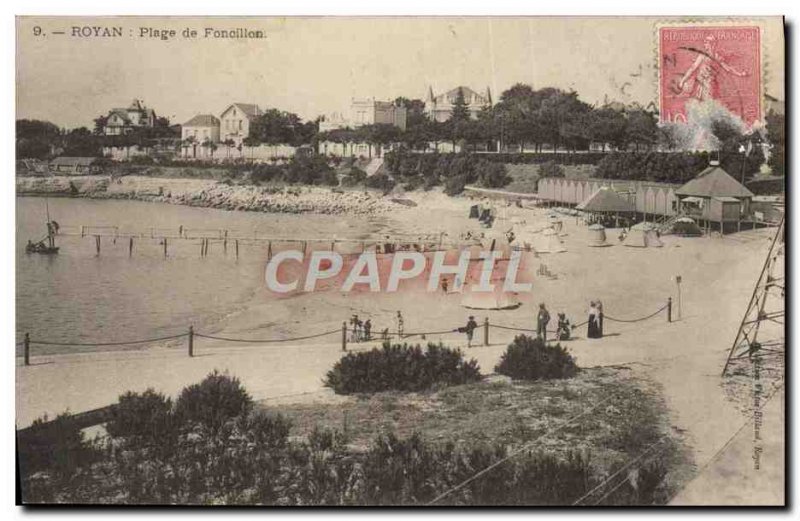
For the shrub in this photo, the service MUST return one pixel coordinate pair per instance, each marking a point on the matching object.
(143, 418)
(381, 182)
(356, 176)
(493, 175)
(402, 368)
(56, 446)
(529, 358)
(455, 185)
(550, 169)
(212, 402)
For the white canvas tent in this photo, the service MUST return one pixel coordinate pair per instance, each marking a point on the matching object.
(548, 242)
(643, 235)
(497, 241)
(597, 236)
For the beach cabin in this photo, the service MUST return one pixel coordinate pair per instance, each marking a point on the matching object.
(715, 197)
(74, 165)
(605, 202)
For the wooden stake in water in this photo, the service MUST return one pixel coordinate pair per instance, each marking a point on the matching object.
(97, 244)
(165, 247)
(130, 247)
(237, 248)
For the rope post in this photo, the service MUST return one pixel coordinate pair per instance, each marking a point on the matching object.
(26, 350)
(669, 309)
(344, 336)
(191, 341)
(486, 331)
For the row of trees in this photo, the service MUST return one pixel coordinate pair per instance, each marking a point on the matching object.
(523, 117)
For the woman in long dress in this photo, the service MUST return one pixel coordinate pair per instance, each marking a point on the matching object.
(599, 307)
(592, 331)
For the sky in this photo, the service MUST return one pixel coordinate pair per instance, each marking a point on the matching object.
(315, 66)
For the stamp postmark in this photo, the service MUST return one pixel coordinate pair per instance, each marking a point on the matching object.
(700, 62)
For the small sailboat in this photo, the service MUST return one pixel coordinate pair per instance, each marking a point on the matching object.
(42, 247)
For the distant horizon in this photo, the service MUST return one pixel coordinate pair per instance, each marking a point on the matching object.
(314, 66)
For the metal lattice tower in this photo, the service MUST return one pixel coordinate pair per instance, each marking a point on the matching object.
(758, 315)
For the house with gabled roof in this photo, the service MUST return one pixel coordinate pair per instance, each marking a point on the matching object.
(121, 121)
(714, 196)
(200, 133)
(236, 119)
(440, 107)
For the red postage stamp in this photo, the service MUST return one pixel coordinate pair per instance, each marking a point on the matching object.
(710, 63)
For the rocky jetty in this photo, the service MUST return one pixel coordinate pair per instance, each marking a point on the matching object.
(212, 194)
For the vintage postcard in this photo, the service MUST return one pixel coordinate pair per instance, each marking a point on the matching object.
(400, 261)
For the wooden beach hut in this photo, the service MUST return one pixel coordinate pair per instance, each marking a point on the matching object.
(607, 202)
(714, 196)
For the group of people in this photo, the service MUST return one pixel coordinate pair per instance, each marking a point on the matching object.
(563, 330)
(595, 324)
(362, 331)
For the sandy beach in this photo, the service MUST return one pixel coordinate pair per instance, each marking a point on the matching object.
(684, 357)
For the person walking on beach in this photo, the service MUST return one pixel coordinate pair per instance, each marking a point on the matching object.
(356, 323)
(592, 325)
(541, 322)
(469, 329)
(599, 307)
(367, 330)
(399, 324)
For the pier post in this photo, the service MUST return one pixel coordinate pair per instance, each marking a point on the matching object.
(97, 244)
(26, 349)
(82, 234)
(191, 341)
(269, 250)
(344, 336)
(225, 244)
(486, 331)
(237, 248)
(669, 309)
(165, 247)
(130, 247)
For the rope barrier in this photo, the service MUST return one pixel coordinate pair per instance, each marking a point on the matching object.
(100, 344)
(516, 452)
(651, 315)
(267, 341)
(318, 335)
